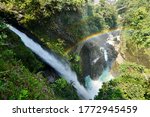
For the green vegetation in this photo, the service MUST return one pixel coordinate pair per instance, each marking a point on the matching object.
(137, 19)
(68, 21)
(136, 35)
(63, 90)
(134, 79)
(16, 81)
(131, 84)
(61, 24)
(19, 76)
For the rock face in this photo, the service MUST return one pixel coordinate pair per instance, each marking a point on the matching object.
(96, 55)
(92, 60)
(112, 53)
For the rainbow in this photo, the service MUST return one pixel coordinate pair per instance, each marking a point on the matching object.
(90, 37)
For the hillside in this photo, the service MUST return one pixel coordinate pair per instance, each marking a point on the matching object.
(69, 30)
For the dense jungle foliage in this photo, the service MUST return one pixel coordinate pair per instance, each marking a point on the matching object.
(60, 24)
(133, 82)
(21, 73)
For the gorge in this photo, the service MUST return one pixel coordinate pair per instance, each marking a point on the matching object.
(74, 49)
(91, 86)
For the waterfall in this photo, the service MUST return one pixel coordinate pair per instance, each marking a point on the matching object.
(110, 39)
(61, 67)
(93, 86)
(105, 53)
(95, 60)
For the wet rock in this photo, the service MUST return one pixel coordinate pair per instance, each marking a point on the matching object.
(92, 60)
(112, 53)
(95, 57)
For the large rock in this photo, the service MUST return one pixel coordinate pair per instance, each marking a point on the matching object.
(93, 60)
(112, 53)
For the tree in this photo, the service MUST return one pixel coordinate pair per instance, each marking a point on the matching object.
(18, 79)
(130, 85)
(136, 20)
(64, 90)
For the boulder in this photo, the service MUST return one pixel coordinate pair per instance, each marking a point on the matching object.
(93, 60)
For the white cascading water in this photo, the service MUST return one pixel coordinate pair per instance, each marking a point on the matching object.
(105, 53)
(92, 86)
(95, 60)
(110, 39)
(61, 67)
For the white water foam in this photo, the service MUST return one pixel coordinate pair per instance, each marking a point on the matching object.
(105, 53)
(93, 86)
(64, 69)
(61, 67)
